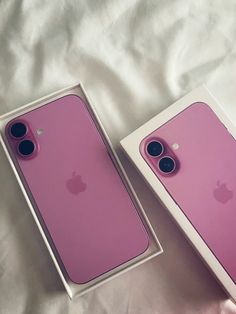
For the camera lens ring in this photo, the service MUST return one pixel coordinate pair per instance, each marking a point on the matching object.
(155, 148)
(26, 148)
(18, 130)
(167, 165)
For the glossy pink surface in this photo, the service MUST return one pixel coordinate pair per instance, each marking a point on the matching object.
(204, 186)
(88, 212)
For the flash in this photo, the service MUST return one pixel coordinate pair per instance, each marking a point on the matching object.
(39, 131)
(175, 146)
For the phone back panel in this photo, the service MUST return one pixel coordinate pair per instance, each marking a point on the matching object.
(204, 185)
(79, 194)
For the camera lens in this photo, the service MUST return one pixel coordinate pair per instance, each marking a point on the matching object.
(26, 148)
(155, 148)
(167, 164)
(18, 130)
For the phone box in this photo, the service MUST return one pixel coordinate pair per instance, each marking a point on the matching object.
(131, 144)
(154, 248)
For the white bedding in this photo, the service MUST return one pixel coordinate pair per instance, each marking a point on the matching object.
(135, 58)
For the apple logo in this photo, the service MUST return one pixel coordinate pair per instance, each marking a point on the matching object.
(221, 193)
(75, 185)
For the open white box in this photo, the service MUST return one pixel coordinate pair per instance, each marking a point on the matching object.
(131, 144)
(154, 245)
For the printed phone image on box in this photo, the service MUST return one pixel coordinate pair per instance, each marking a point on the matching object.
(187, 154)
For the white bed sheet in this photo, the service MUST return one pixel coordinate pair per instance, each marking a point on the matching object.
(135, 58)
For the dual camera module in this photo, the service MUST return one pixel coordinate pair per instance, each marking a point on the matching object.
(166, 164)
(18, 131)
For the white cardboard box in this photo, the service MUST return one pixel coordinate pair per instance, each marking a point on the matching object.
(154, 244)
(131, 144)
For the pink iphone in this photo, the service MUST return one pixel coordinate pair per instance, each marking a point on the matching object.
(193, 155)
(77, 192)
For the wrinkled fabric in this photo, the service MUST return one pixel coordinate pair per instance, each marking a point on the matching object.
(135, 58)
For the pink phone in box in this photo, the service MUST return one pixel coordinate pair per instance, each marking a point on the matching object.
(194, 156)
(79, 195)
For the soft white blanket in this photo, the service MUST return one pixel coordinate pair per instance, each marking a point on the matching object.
(135, 57)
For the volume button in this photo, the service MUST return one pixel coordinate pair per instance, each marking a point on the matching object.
(109, 154)
(112, 158)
